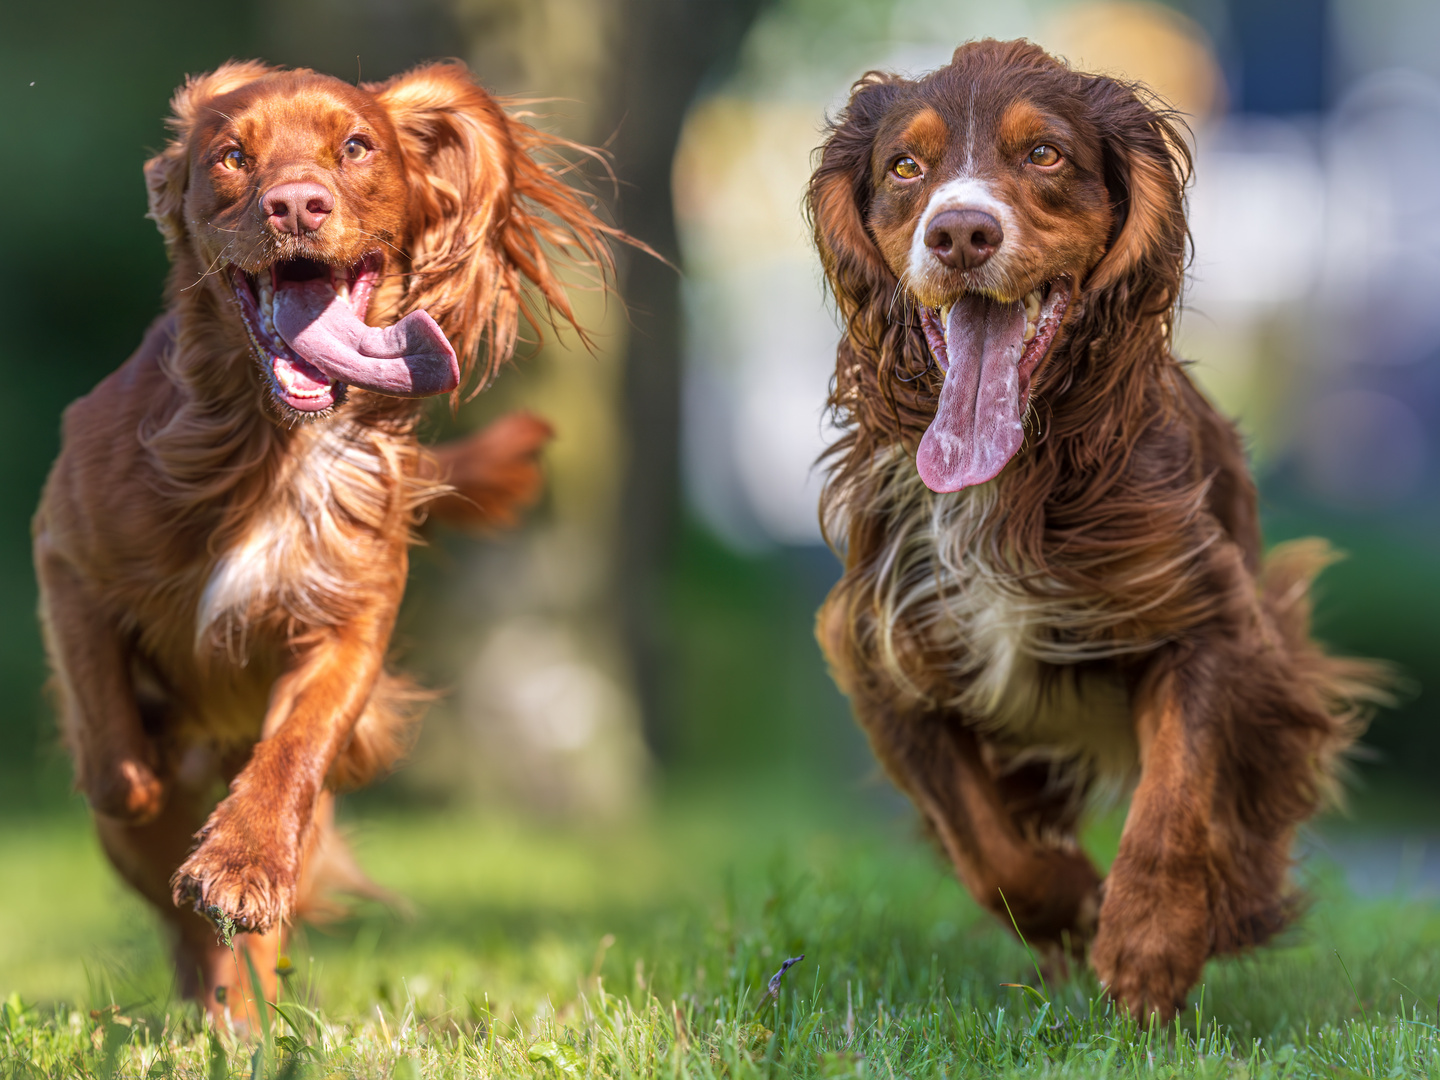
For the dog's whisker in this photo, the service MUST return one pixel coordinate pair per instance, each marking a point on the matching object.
(207, 271)
(380, 240)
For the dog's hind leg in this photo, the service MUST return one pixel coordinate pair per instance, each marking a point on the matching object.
(206, 968)
(115, 761)
(1049, 889)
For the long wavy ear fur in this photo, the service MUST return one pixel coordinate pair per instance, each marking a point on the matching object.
(1147, 164)
(881, 365)
(489, 207)
(168, 173)
(839, 196)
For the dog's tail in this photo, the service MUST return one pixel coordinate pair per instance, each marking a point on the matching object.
(1345, 688)
(493, 475)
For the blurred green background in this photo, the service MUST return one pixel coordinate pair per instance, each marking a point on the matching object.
(708, 640)
(679, 649)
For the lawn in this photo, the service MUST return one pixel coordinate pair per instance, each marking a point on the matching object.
(644, 948)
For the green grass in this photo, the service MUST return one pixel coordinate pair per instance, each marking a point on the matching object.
(644, 949)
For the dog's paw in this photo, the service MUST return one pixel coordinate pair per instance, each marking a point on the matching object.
(238, 882)
(1054, 907)
(1148, 968)
(128, 791)
(1155, 935)
(1147, 989)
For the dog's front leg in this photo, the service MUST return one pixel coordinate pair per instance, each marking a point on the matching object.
(247, 864)
(1156, 920)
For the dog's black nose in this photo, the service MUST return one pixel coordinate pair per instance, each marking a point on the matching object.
(297, 207)
(963, 239)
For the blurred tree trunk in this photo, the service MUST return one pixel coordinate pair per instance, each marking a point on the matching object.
(668, 50)
(552, 637)
(626, 73)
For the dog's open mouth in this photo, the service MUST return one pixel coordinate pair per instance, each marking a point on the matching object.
(306, 322)
(989, 351)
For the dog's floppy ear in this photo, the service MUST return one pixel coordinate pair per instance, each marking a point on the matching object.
(168, 172)
(1147, 164)
(489, 206)
(839, 198)
(883, 347)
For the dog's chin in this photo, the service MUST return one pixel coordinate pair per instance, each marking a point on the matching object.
(298, 391)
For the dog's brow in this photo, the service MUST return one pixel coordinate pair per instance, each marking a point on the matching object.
(927, 131)
(1020, 120)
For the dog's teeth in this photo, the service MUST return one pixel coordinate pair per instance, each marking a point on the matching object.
(265, 290)
(342, 289)
(945, 314)
(1032, 315)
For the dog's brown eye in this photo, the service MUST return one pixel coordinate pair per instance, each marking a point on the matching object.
(907, 168)
(1044, 155)
(355, 150)
(233, 159)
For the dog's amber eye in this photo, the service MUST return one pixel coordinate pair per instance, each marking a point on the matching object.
(233, 159)
(907, 168)
(355, 150)
(1044, 155)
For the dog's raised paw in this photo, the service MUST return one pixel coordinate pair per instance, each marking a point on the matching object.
(235, 886)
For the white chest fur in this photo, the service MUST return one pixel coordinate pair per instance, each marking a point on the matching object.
(292, 557)
(1021, 655)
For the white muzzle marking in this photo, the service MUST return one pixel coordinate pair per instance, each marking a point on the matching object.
(963, 193)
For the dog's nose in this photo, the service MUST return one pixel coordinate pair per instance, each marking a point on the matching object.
(963, 239)
(297, 207)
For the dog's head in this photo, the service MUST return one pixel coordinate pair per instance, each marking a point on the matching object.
(1007, 198)
(371, 236)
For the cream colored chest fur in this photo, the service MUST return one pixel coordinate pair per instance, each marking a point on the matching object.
(296, 560)
(1024, 659)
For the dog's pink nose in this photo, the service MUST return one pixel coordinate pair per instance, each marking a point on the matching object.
(963, 239)
(297, 207)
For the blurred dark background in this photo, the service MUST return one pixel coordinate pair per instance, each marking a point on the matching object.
(643, 631)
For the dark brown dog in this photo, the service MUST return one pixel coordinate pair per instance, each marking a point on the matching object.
(1053, 570)
(222, 543)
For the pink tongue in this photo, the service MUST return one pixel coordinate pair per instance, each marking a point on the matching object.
(410, 359)
(976, 429)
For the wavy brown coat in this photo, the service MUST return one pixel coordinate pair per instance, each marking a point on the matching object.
(219, 578)
(1100, 613)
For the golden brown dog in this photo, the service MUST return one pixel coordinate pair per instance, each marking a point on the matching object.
(222, 543)
(1053, 570)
